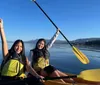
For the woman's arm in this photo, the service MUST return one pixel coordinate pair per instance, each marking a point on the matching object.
(3, 39)
(30, 69)
(52, 40)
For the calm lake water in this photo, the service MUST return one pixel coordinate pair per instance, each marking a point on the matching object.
(64, 59)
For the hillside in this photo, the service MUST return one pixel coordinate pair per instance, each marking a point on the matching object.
(86, 42)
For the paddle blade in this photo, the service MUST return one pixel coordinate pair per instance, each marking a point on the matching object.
(80, 55)
(90, 75)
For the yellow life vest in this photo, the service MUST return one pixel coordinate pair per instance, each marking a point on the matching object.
(41, 63)
(12, 68)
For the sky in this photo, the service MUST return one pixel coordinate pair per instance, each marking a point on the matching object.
(75, 18)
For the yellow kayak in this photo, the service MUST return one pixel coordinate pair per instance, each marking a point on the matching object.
(95, 80)
(86, 77)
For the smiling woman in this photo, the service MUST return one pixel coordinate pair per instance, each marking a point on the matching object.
(76, 51)
(40, 59)
(15, 63)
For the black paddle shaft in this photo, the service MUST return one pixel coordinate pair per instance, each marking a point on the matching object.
(52, 22)
(62, 77)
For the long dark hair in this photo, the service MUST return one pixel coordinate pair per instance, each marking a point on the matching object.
(40, 52)
(44, 48)
(22, 54)
(11, 50)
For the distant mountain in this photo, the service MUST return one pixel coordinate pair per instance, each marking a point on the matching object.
(47, 40)
(88, 43)
(79, 42)
(83, 40)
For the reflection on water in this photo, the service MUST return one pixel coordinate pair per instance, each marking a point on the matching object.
(64, 59)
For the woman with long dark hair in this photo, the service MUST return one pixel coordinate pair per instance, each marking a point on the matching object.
(40, 59)
(15, 63)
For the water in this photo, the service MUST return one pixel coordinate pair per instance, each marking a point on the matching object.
(62, 57)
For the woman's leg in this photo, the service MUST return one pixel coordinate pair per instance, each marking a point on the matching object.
(64, 74)
(53, 74)
(56, 74)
